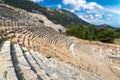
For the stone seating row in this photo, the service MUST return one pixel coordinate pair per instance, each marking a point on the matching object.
(52, 37)
(7, 71)
(20, 63)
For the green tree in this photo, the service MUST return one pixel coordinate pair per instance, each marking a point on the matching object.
(77, 31)
(91, 32)
(106, 35)
(117, 33)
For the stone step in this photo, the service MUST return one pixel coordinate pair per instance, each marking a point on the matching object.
(19, 55)
(35, 67)
(6, 64)
(58, 70)
(29, 40)
(21, 65)
(11, 74)
(0, 38)
(28, 55)
(50, 68)
(25, 39)
(1, 42)
(43, 74)
(54, 39)
(32, 65)
(38, 60)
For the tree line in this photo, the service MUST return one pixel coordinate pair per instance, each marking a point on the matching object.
(93, 33)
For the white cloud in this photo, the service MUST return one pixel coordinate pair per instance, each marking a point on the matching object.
(59, 6)
(92, 5)
(116, 11)
(98, 16)
(80, 16)
(93, 12)
(78, 4)
(91, 17)
(109, 15)
(36, 0)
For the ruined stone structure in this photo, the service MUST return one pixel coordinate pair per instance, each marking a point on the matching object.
(19, 63)
(32, 49)
(51, 44)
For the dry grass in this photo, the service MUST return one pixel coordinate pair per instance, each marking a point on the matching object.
(88, 42)
(117, 41)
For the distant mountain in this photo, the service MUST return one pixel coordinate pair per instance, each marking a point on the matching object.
(58, 16)
(105, 26)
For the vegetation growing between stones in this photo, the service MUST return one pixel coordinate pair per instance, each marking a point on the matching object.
(93, 33)
(24, 51)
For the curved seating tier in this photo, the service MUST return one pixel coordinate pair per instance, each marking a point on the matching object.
(19, 63)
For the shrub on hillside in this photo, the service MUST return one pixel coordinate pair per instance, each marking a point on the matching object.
(93, 33)
(106, 35)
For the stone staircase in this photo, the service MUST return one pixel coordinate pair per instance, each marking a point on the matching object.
(19, 63)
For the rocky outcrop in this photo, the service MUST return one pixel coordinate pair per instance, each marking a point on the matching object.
(48, 23)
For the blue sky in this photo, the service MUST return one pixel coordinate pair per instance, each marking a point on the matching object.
(93, 11)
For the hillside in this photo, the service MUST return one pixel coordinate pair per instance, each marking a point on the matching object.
(20, 17)
(14, 14)
(63, 17)
(105, 26)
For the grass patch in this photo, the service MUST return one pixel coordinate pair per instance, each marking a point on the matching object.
(24, 51)
(10, 41)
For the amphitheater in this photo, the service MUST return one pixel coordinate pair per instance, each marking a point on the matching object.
(39, 50)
